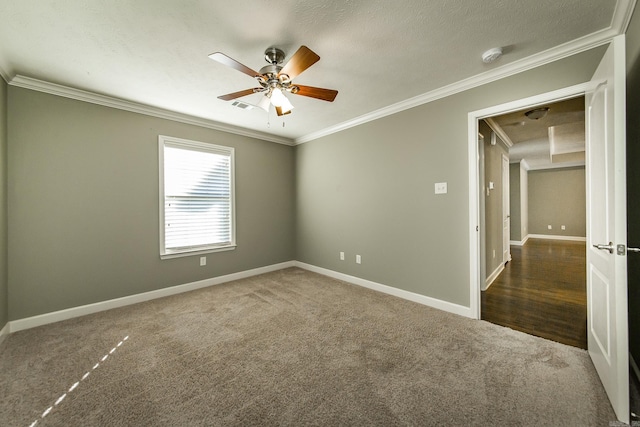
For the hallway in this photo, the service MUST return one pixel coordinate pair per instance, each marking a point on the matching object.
(542, 292)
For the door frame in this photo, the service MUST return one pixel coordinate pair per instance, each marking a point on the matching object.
(506, 210)
(613, 373)
(474, 178)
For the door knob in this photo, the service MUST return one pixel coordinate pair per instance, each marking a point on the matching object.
(633, 249)
(608, 247)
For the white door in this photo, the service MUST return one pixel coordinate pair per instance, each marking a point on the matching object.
(506, 218)
(606, 227)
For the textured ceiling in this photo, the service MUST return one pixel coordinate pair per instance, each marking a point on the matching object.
(374, 52)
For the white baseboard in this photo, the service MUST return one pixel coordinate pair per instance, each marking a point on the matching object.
(519, 243)
(552, 237)
(57, 316)
(493, 276)
(420, 299)
(4, 332)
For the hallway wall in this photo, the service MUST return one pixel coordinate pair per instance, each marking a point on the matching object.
(558, 197)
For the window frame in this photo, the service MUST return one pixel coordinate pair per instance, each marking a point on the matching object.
(186, 144)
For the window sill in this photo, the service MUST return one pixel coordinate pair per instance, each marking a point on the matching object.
(197, 252)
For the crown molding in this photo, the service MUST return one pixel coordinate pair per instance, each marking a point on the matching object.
(4, 75)
(622, 15)
(563, 165)
(620, 21)
(108, 101)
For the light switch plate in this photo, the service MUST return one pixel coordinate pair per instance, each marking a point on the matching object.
(441, 188)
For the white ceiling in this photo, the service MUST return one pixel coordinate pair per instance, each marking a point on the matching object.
(376, 53)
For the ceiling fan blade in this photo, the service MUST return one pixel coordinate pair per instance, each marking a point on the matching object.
(234, 95)
(316, 92)
(230, 62)
(300, 61)
(280, 113)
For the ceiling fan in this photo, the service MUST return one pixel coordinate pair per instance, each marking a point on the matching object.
(275, 79)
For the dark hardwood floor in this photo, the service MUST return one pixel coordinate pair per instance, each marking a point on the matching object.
(542, 291)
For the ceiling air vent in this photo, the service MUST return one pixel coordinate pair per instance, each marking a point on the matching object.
(242, 105)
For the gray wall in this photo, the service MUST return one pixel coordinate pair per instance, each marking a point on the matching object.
(83, 204)
(369, 190)
(633, 180)
(4, 289)
(557, 197)
(493, 201)
(83, 197)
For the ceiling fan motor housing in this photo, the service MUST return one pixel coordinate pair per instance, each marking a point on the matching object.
(270, 77)
(271, 70)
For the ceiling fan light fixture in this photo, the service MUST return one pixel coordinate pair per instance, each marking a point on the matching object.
(537, 113)
(279, 100)
(277, 97)
(286, 106)
(264, 103)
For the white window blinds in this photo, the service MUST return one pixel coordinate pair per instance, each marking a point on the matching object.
(197, 197)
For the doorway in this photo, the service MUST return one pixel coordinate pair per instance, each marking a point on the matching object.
(475, 180)
(542, 291)
(607, 323)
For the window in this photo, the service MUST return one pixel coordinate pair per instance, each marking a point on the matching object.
(196, 197)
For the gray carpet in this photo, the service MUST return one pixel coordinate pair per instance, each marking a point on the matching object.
(291, 348)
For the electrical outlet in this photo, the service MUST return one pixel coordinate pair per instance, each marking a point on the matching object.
(562, 227)
(203, 261)
(494, 253)
(341, 256)
(549, 227)
(358, 259)
(441, 188)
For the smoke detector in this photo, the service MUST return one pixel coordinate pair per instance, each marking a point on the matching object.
(491, 55)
